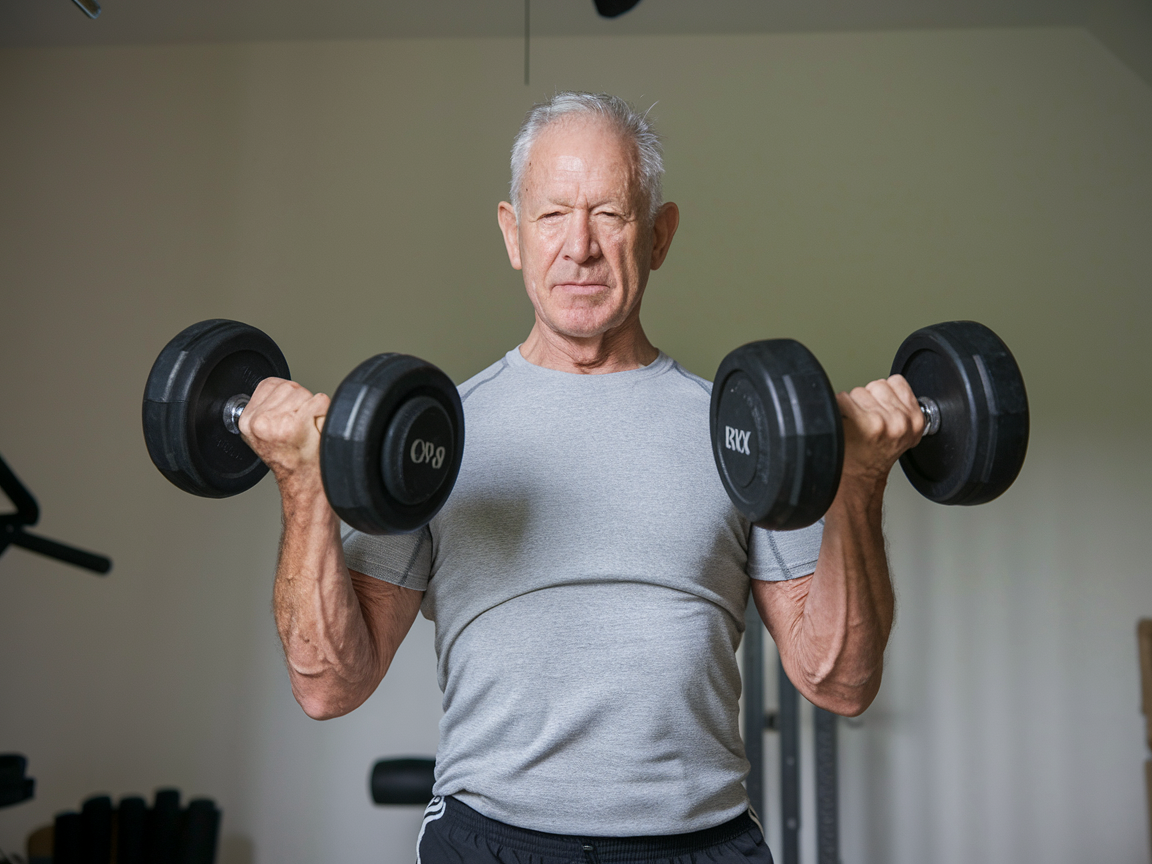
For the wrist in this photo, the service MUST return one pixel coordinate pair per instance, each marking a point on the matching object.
(861, 491)
(302, 496)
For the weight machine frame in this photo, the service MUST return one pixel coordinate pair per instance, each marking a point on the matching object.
(786, 721)
(27, 513)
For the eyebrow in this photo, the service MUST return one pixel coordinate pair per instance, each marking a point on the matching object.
(622, 205)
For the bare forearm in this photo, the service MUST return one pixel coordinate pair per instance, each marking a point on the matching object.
(832, 627)
(333, 662)
(832, 645)
(340, 630)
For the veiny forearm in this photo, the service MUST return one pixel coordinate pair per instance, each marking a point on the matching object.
(836, 622)
(333, 661)
(340, 630)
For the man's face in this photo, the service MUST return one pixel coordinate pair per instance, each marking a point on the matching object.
(583, 239)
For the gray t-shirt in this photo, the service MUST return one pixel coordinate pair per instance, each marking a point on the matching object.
(588, 578)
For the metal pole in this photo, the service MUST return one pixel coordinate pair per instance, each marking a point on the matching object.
(754, 706)
(527, 37)
(788, 723)
(827, 791)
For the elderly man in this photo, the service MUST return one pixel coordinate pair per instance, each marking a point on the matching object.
(588, 575)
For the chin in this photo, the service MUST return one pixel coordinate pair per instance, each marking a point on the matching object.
(582, 326)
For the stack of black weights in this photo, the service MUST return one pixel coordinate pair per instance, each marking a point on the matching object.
(14, 785)
(133, 833)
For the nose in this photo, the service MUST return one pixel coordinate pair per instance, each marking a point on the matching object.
(580, 244)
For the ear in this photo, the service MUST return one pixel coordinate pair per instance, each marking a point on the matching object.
(663, 230)
(506, 216)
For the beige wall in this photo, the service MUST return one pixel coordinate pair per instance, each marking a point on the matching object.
(840, 189)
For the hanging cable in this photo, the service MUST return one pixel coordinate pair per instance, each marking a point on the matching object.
(91, 7)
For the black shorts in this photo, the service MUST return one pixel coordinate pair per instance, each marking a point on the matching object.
(454, 833)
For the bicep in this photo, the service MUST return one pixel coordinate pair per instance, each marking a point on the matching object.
(389, 611)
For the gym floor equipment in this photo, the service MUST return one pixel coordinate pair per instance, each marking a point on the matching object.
(15, 785)
(403, 781)
(27, 513)
(134, 833)
(390, 446)
(778, 437)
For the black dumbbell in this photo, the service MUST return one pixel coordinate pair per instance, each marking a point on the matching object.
(778, 438)
(390, 446)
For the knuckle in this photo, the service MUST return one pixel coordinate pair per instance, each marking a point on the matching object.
(261, 426)
(872, 426)
(267, 387)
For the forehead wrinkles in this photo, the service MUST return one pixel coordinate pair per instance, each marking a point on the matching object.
(566, 159)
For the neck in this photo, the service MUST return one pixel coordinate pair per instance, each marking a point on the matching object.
(617, 350)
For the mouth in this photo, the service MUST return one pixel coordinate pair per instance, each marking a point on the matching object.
(581, 289)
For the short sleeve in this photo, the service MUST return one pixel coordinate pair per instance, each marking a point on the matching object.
(402, 559)
(774, 556)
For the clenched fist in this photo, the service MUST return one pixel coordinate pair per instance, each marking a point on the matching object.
(881, 422)
(282, 423)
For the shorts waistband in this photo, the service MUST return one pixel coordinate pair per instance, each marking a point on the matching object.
(607, 850)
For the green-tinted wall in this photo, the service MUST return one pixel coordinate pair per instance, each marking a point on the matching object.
(840, 189)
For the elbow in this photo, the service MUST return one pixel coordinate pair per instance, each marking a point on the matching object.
(321, 703)
(320, 709)
(325, 690)
(850, 706)
(847, 700)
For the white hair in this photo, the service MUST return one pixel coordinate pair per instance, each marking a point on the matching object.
(629, 122)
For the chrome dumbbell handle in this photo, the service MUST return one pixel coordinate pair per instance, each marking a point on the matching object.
(931, 412)
(233, 408)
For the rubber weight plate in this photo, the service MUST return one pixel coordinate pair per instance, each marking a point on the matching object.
(983, 436)
(392, 444)
(777, 435)
(196, 373)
